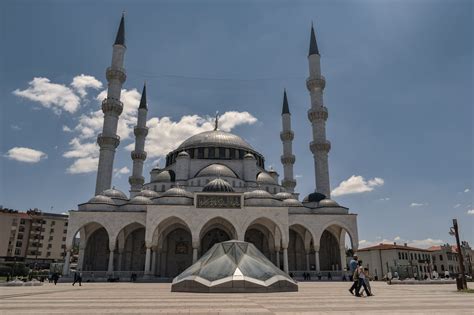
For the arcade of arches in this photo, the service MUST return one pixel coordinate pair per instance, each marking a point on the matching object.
(173, 249)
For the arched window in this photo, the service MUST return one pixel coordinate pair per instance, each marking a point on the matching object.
(154, 188)
(163, 187)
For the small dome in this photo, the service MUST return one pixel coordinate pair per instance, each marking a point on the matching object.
(216, 170)
(284, 195)
(249, 156)
(102, 199)
(114, 193)
(183, 154)
(140, 200)
(163, 176)
(177, 192)
(148, 193)
(292, 203)
(218, 185)
(328, 203)
(261, 194)
(265, 178)
(314, 197)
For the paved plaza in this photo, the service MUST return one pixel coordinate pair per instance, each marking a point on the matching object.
(313, 298)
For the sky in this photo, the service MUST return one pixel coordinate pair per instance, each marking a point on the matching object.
(399, 78)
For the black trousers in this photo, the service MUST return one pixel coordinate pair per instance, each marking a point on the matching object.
(355, 286)
(362, 284)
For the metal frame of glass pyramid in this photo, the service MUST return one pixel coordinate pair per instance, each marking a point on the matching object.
(233, 266)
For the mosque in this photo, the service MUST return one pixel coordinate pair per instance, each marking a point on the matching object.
(214, 187)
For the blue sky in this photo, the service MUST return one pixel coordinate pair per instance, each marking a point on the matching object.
(399, 95)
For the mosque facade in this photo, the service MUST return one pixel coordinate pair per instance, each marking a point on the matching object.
(214, 187)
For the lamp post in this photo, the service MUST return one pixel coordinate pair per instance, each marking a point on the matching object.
(454, 231)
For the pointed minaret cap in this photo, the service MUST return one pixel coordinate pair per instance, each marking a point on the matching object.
(120, 38)
(286, 108)
(143, 99)
(313, 45)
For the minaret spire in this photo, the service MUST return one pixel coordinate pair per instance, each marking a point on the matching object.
(313, 45)
(120, 38)
(317, 115)
(112, 107)
(287, 136)
(139, 154)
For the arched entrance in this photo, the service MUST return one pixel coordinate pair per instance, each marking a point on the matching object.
(296, 252)
(131, 248)
(215, 231)
(329, 252)
(266, 236)
(96, 252)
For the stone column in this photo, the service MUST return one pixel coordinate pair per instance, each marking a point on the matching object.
(316, 258)
(147, 261)
(66, 262)
(110, 269)
(342, 251)
(308, 267)
(195, 254)
(80, 259)
(285, 259)
(277, 253)
(158, 260)
(153, 261)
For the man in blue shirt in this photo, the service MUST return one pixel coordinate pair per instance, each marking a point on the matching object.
(353, 264)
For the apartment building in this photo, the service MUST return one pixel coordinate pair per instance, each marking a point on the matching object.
(34, 237)
(446, 258)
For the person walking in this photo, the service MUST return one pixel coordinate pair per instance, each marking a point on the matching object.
(367, 280)
(77, 278)
(353, 264)
(361, 277)
(55, 278)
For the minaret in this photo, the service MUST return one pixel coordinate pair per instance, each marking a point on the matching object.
(139, 155)
(112, 107)
(287, 136)
(317, 115)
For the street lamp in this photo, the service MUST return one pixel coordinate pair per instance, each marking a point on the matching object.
(454, 231)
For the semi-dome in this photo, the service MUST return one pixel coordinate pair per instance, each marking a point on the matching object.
(177, 192)
(183, 154)
(216, 170)
(328, 203)
(101, 199)
(218, 185)
(114, 193)
(249, 156)
(314, 197)
(284, 195)
(292, 203)
(215, 138)
(163, 176)
(140, 200)
(265, 178)
(148, 193)
(260, 194)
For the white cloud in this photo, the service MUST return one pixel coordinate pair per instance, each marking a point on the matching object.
(67, 129)
(384, 199)
(457, 205)
(467, 190)
(82, 82)
(416, 204)
(423, 243)
(15, 127)
(26, 155)
(471, 211)
(58, 97)
(356, 185)
(298, 176)
(165, 134)
(121, 171)
(83, 165)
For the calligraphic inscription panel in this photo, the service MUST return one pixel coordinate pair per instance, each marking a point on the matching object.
(218, 201)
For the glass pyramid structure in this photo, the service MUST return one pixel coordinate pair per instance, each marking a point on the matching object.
(233, 266)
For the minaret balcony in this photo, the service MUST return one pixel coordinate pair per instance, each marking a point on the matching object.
(112, 141)
(138, 155)
(136, 181)
(140, 131)
(112, 105)
(288, 159)
(116, 73)
(287, 135)
(318, 146)
(289, 184)
(318, 113)
(315, 83)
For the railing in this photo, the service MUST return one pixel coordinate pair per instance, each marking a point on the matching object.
(324, 274)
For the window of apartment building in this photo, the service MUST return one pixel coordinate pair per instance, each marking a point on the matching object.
(65, 223)
(17, 252)
(64, 231)
(48, 254)
(51, 231)
(53, 223)
(399, 255)
(19, 244)
(63, 246)
(441, 258)
(442, 267)
(14, 221)
(411, 256)
(50, 245)
(50, 238)
(20, 236)
(64, 239)
(22, 221)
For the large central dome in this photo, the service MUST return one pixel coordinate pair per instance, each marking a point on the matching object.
(215, 138)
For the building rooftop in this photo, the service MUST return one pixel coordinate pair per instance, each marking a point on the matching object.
(382, 246)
